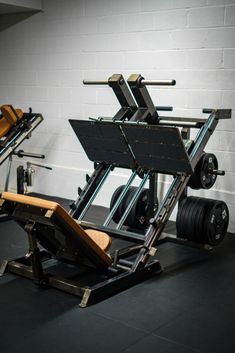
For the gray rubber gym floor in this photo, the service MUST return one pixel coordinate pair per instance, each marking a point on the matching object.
(188, 308)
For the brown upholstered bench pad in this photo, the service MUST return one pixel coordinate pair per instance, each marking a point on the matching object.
(10, 117)
(97, 241)
(4, 127)
(10, 114)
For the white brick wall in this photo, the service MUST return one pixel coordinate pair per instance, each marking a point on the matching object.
(46, 57)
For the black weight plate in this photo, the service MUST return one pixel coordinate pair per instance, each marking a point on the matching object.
(137, 216)
(130, 220)
(180, 220)
(194, 181)
(188, 219)
(183, 218)
(207, 220)
(139, 209)
(216, 222)
(132, 217)
(178, 217)
(194, 223)
(209, 162)
(179, 228)
(189, 231)
(194, 217)
(199, 221)
(209, 205)
(142, 219)
(203, 173)
(201, 178)
(202, 220)
(116, 194)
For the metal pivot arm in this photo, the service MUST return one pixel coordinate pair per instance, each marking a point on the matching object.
(123, 94)
(147, 111)
(34, 255)
(220, 113)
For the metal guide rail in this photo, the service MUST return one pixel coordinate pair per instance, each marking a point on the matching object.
(140, 139)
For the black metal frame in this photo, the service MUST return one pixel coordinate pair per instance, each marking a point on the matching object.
(136, 262)
(18, 134)
(38, 265)
(109, 283)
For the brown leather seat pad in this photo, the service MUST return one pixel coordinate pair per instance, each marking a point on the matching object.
(19, 113)
(100, 238)
(10, 114)
(4, 127)
(98, 241)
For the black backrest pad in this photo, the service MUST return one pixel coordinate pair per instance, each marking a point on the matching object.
(103, 142)
(158, 148)
(151, 147)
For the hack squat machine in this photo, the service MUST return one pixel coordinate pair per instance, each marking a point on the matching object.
(139, 139)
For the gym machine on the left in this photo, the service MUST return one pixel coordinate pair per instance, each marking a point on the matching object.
(15, 127)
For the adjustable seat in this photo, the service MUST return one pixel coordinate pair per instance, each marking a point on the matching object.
(10, 117)
(5, 127)
(13, 116)
(57, 231)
